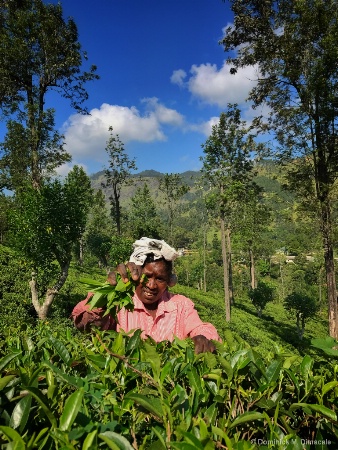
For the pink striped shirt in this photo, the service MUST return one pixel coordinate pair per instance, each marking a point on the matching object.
(175, 316)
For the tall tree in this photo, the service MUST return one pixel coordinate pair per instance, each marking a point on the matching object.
(79, 183)
(173, 188)
(143, 216)
(117, 175)
(45, 226)
(39, 53)
(228, 167)
(294, 46)
(99, 230)
(252, 219)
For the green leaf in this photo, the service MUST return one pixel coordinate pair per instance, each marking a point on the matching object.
(97, 300)
(222, 434)
(134, 341)
(306, 366)
(71, 409)
(151, 404)
(182, 446)
(328, 386)
(323, 410)
(165, 370)
(61, 350)
(189, 438)
(226, 366)
(121, 286)
(43, 402)
(195, 381)
(210, 413)
(115, 441)
(68, 379)
(89, 441)
(5, 380)
(248, 416)
(160, 444)
(151, 356)
(13, 436)
(91, 282)
(20, 413)
(273, 371)
(294, 379)
(7, 359)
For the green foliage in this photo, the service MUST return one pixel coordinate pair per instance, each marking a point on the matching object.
(117, 175)
(120, 250)
(15, 304)
(45, 226)
(111, 297)
(30, 30)
(143, 217)
(173, 189)
(301, 306)
(261, 295)
(269, 39)
(109, 389)
(300, 303)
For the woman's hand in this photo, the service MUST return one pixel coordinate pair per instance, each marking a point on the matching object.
(134, 269)
(202, 344)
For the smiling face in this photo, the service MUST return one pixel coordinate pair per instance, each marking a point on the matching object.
(158, 276)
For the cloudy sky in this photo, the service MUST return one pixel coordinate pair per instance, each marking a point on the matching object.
(163, 81)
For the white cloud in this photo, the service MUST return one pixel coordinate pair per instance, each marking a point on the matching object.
(178, 77)
(163, 114)
(205, 127)
(217, 86)
(86, 135)
(64, 170)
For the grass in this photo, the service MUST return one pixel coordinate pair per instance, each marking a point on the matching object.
(274, 331)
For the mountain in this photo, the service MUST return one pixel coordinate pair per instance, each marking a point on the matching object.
(151, 177)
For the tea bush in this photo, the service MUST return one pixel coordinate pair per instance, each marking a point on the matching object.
(112, 390)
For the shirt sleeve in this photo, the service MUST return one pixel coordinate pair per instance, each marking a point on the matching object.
(194, 325)
(84, 317)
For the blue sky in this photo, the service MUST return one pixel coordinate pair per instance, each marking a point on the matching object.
(163, 81)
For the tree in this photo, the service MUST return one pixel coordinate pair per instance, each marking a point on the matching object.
(99, 230)
(228, 167)
(143, 217)
(302, 306)
(39, 53)
(294, 46)
(252, 218)
(173, 188)
(45, 226)
(260, 296)
(117, 175)
(79, 183)
(5, 205)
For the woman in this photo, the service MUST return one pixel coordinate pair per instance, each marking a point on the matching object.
(157, 312)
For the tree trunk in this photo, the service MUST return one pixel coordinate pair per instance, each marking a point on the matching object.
(204, 259)
(42, 309)
(252, 270)
(81, 247)
(329, 268)
(118, 212)
(231, 287)
(225, 272)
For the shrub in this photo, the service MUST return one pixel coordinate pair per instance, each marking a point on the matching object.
(260, 296)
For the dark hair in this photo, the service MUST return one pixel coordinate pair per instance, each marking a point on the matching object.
(151, 258)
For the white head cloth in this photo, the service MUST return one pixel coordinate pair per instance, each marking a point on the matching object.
(146, 246)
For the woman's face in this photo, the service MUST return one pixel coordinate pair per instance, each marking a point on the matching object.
(157, 274)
